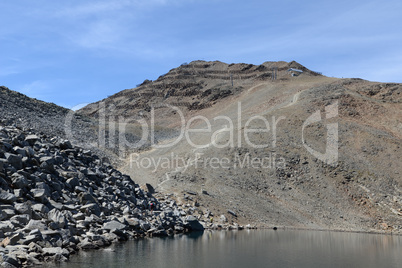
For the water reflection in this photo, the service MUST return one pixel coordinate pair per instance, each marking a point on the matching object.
(195, 235)
(251, 248)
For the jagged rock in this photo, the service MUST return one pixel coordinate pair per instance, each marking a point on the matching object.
(19, 181)
(113, 225)
(19, 193)
(11, 241)
(56, 258)
(150, 188)
(21, 254)
(36, 232)
(120, 233)
(126, 210)
(85, 197)
(6, 146)
(134, 223)
(54, 251)
(53, 235)
(47, 167)
(179, 229)
(8, 210)
(20, 151)
(73, 182)
(56, 205)
(33, 259)
(29, 151)
(3, 215)
(69, 207)
(14, 160)
(40, 208)
(69, 174)
(24, 208)
(86, 244)
(31, 139)
(57, 217)
(100, 241)
(194, 224)
(6, 226)
(39, 195)
(20, 220)
(94, 219)
(44, 186)
(14, 239)
(31, 238)
(79, 216)
(91, 208)
(232, 213)
(160, 232)
(145, 225)
(47, 159)
(64, 144)
(6, 197)
(36, 224)
(9, 261)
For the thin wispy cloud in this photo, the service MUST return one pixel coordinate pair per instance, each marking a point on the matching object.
(98, 8)
(99, 47)
(88, 9)
(100, 34)
(36, 88)
(8, 70)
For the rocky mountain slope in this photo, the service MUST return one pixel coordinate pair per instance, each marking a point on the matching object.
(218, 144)
(330, 148)
(56, 199)
(190, 88)
(19, 110)
(195, 86)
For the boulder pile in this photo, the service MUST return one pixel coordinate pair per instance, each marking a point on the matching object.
(57, 199)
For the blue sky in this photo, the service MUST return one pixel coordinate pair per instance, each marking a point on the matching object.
(74, 51)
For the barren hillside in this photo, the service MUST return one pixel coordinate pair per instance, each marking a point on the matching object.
(301, 150)
(50, 119)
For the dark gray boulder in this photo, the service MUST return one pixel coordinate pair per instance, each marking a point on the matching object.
(193, 224)
(24, 208)
(14, 160)
(39, 195)
(36, 224)
(6, 197)
(41, 208)
(9, 261)
(113, 225)
(20, 220)
(57, 217)
(6, 226)
(31, 139)
(19, 181)
(72, 183)
(92, 208)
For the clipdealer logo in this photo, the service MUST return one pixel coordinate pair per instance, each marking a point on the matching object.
(330, 156)
(236, 132)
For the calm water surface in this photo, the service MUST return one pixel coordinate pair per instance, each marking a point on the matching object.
(250, 248)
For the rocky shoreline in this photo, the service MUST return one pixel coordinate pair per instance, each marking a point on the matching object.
(57, 199)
